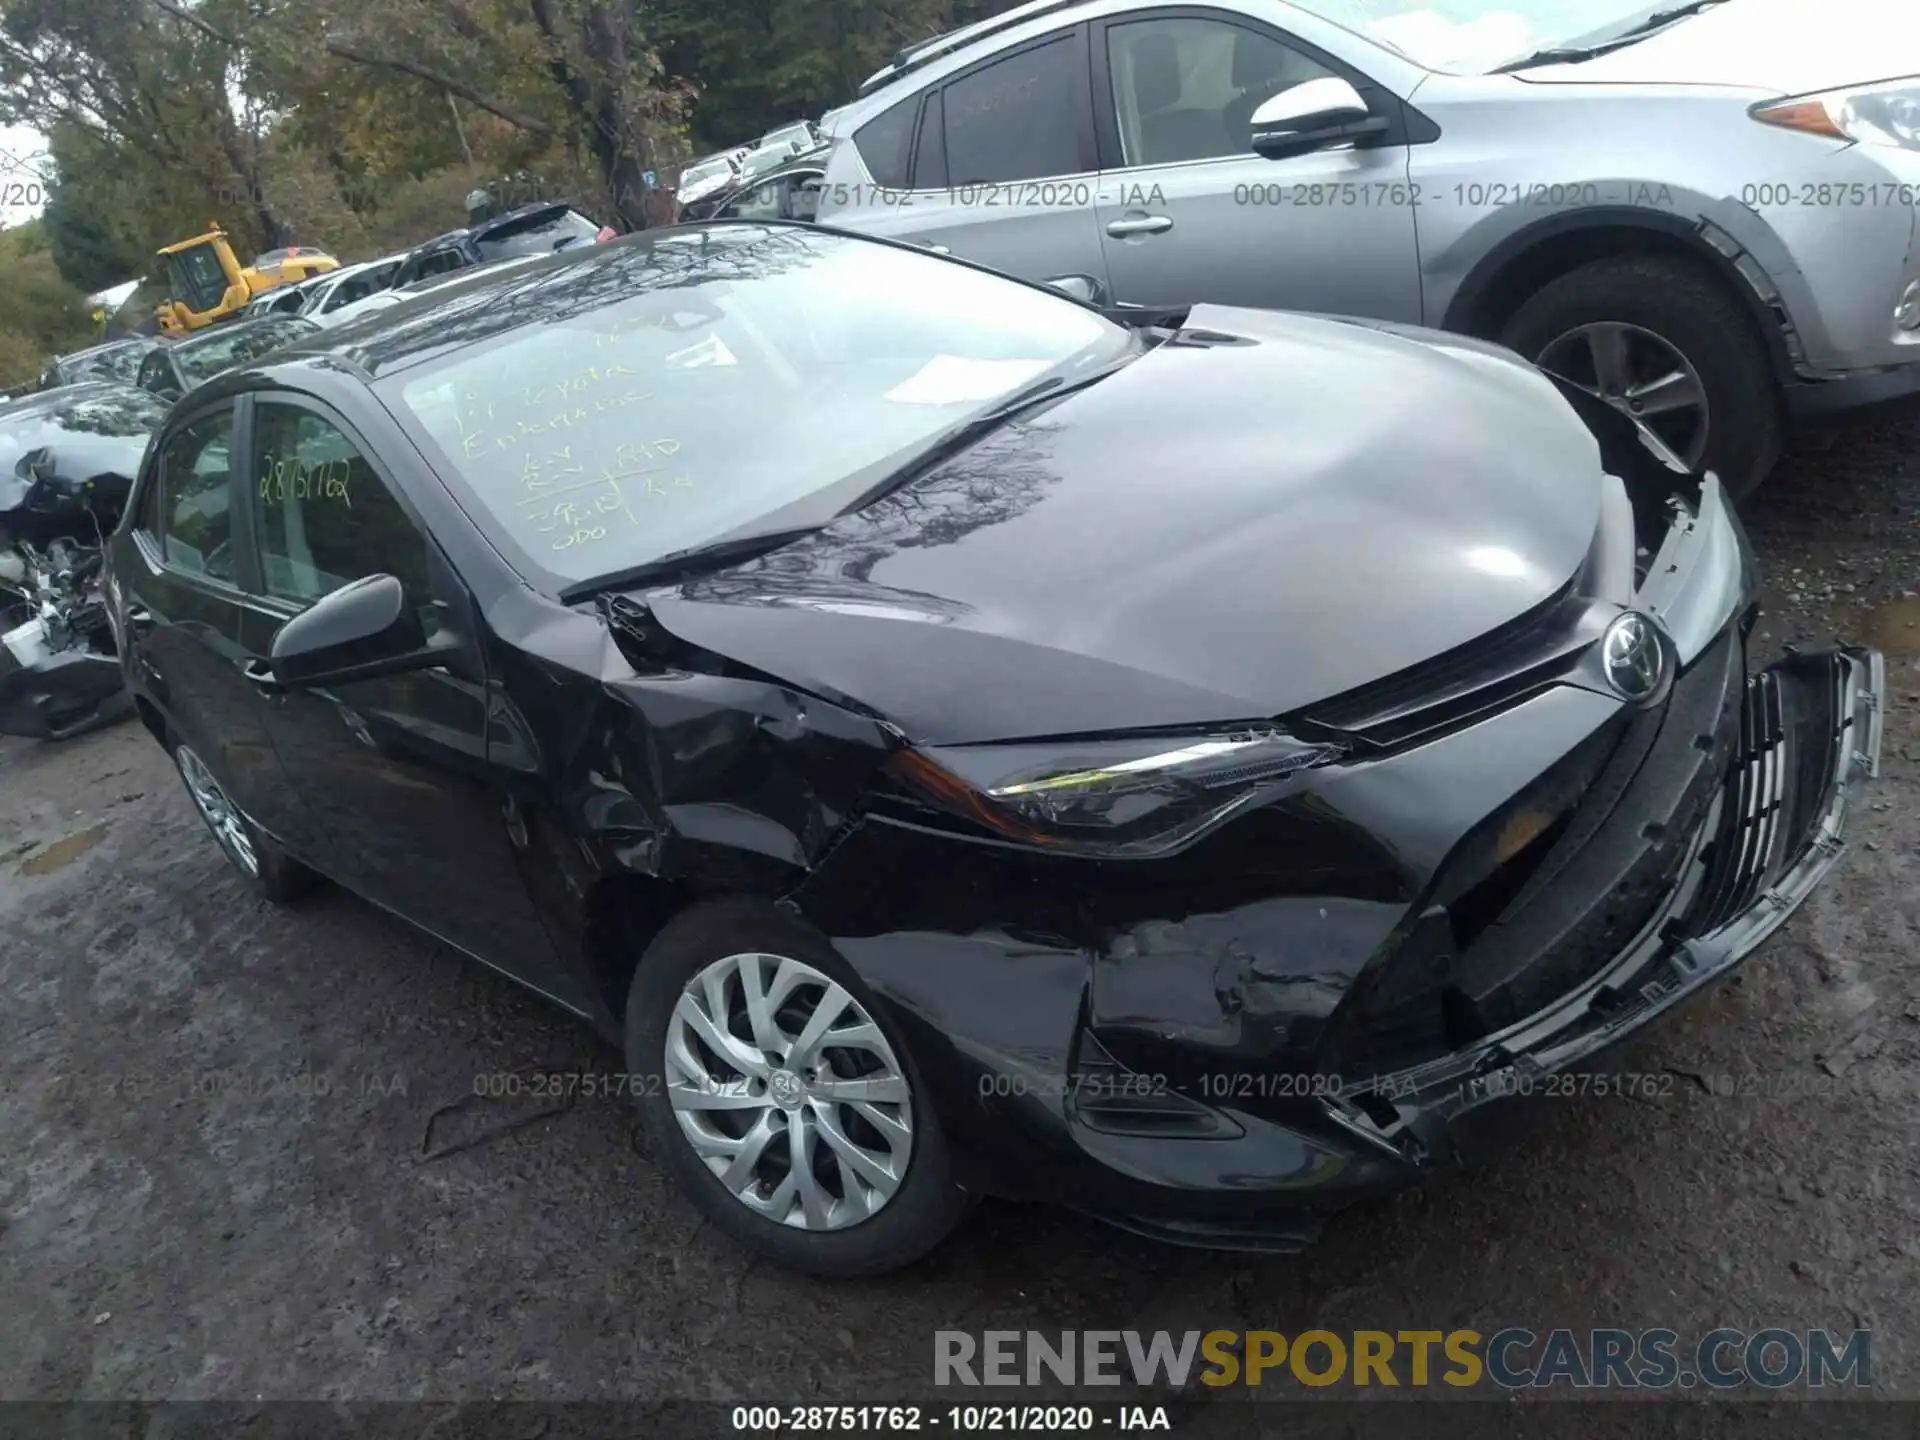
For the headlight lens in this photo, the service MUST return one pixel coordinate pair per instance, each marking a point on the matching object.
(1123, 795)
(1886, 112)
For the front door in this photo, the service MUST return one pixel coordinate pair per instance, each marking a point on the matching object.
(392, 772)
(1187, 212)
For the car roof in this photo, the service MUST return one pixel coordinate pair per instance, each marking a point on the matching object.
(489, 301)
(93, 350)
(232, 327)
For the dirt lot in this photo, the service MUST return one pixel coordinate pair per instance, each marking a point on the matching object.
(317, 1223)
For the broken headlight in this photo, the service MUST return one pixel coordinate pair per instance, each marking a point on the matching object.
(1118, 796)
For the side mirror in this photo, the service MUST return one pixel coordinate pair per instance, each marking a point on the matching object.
(1084, 288)
(1315, 115)
(358, 632)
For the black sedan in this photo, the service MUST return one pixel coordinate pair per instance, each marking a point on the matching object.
(169, 371)
(957, 743)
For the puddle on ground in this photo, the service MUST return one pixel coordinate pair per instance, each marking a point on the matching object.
(1894, 626)
(63, 852)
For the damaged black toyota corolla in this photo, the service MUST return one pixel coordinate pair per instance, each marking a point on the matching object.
(961, 744)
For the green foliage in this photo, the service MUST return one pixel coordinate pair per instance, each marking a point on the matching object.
(41, 315)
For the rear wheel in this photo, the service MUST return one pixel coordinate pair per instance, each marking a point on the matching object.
(780, 1100)
(271, 872)
(1666, 344)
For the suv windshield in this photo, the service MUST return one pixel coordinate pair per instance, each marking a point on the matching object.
(535, 234)
(722, 381)
(200, 359)
(1475, 36)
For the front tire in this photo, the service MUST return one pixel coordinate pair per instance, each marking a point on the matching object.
(780, 1099)
(1665, 342)
(268, 870)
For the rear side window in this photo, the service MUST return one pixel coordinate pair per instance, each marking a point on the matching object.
(1018, 119)
(930, 155)
(883, 141)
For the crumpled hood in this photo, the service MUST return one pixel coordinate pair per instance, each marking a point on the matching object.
(1217, 532)
(1784, 47)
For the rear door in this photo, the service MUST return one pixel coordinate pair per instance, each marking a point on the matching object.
(182, 611)
(996, 164)
(1188, 212)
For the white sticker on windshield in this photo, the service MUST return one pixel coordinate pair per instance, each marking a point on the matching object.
(710, 351)
(958, 380)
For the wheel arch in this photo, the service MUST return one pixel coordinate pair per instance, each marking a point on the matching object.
(1531, 257)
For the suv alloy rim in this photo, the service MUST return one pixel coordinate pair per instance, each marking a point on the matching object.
(788, 1092)
(1640, 374)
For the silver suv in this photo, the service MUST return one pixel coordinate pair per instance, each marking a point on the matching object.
(1705, 213)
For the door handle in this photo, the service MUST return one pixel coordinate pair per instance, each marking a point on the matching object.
(261, 674)
(1143, 225)
(138, 617)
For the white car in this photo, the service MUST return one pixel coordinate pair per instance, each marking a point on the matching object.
(330, 296)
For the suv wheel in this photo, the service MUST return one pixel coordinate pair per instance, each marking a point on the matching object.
(779, 1098)
(271, 872)
(1664, 343)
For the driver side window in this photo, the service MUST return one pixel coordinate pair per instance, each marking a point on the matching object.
(326, 517)
(1185, 88)
(196, 518)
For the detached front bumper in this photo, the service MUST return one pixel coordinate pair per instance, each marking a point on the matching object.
(1810, 739)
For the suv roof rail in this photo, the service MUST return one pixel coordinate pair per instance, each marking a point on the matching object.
(925, 52)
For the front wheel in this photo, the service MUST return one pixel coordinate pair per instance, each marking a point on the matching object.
(779, 1098)
(1665, 343)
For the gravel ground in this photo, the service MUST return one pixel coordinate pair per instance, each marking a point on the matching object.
(396, 1237)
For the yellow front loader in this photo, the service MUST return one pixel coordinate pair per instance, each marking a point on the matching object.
(206, 283)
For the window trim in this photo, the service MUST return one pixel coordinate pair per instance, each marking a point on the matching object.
(153, 546)
(257, 593)
(1086, 136)
(1405, 125)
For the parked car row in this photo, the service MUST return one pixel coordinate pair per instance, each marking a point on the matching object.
(931, 796)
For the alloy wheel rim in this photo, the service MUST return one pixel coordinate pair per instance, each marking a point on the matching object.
(221, 814)
(788, 1092)
(1642, 375)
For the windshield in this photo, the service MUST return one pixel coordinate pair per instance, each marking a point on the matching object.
(538, 233)
(120, 362)
(1474, 36)
(202, 358)
(725, 386)
(196, 277)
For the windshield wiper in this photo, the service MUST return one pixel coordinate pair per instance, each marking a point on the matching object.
(1573, 54)
(971, 431)
(694, 560)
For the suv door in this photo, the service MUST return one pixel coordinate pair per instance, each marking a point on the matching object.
(179, 575)
(1188, 212)
(996, 164)
(392, 772)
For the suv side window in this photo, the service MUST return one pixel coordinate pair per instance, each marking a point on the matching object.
(193, 498)
(1017, 119)
(326, 517)
(882, 143)
(1185, 88)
